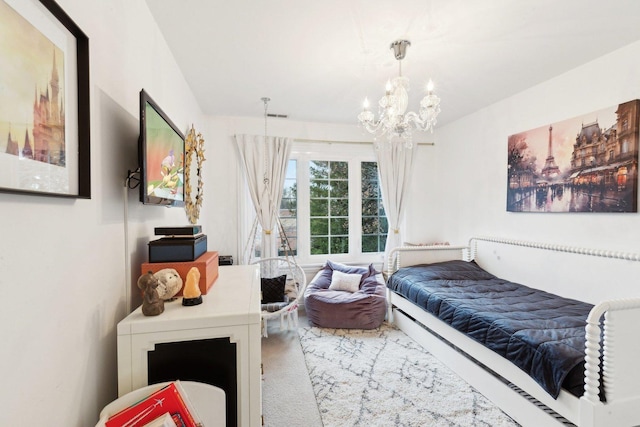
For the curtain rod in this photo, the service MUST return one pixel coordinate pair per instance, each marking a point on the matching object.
(327, 141)
(350, 142)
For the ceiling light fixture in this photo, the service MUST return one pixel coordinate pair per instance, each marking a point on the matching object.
(393, 119)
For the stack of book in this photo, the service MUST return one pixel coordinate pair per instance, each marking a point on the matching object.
(179, 244)
(167, 407)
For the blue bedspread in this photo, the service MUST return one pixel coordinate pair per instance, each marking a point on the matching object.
(541, 333)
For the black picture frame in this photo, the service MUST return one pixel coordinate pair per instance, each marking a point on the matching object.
(48, 153)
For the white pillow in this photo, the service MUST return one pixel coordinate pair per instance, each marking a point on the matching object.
(345, 282)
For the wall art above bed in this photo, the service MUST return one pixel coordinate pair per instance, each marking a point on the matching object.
(585, 164)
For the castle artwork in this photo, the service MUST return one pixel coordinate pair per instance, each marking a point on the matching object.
(32, 106)
(32, 122)
(585, 164)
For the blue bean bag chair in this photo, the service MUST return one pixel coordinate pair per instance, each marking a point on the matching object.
(352, 298)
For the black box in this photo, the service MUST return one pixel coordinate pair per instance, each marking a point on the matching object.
(189, 230)
(172, 249)
(225, 260)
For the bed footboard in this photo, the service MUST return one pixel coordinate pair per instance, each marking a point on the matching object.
(620, 349)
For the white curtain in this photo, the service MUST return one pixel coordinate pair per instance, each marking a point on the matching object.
(395, 163)
(264, 162)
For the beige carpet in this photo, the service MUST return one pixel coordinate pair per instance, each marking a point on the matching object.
(287, 395)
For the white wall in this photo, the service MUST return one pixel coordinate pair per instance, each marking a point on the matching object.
(62, 262)
(460, 189)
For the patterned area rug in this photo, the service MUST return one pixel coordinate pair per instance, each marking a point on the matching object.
(382, 377)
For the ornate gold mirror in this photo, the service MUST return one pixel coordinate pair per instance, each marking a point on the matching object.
(194, 151)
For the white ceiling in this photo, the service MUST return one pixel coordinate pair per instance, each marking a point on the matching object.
(318, 59)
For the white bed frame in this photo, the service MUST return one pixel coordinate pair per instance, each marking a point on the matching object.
(607, 279)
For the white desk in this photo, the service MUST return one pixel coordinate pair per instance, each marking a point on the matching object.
(231, 308)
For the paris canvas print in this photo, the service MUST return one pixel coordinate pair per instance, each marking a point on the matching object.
(584, 164)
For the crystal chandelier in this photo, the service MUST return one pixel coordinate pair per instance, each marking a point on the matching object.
(394, 120)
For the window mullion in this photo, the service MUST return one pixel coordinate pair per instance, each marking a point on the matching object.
(304, 243)
(355, 202)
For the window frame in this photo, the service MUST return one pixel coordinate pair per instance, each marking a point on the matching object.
(354, 155)
(334, 194)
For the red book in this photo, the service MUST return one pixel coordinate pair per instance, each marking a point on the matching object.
(167, 399)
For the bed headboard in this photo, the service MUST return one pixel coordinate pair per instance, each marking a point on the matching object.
(412, 255)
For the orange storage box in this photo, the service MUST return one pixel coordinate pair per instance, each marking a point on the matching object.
(207, 264)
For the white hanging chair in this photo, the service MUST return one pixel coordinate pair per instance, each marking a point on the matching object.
(296, 282)
(273, 267)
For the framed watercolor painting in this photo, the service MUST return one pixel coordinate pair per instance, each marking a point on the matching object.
(585, 164)
(44, 101)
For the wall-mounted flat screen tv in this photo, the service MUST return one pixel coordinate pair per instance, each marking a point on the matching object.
(161, 156)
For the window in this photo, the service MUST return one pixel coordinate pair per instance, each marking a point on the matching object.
(374, 220)
(329, 207)
(289, 211)
(331, 204)
(625, 146)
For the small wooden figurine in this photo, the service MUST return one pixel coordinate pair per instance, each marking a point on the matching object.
(152, 304)
(191, 294)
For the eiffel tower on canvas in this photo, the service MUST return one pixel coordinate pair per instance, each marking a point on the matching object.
(550, 169)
